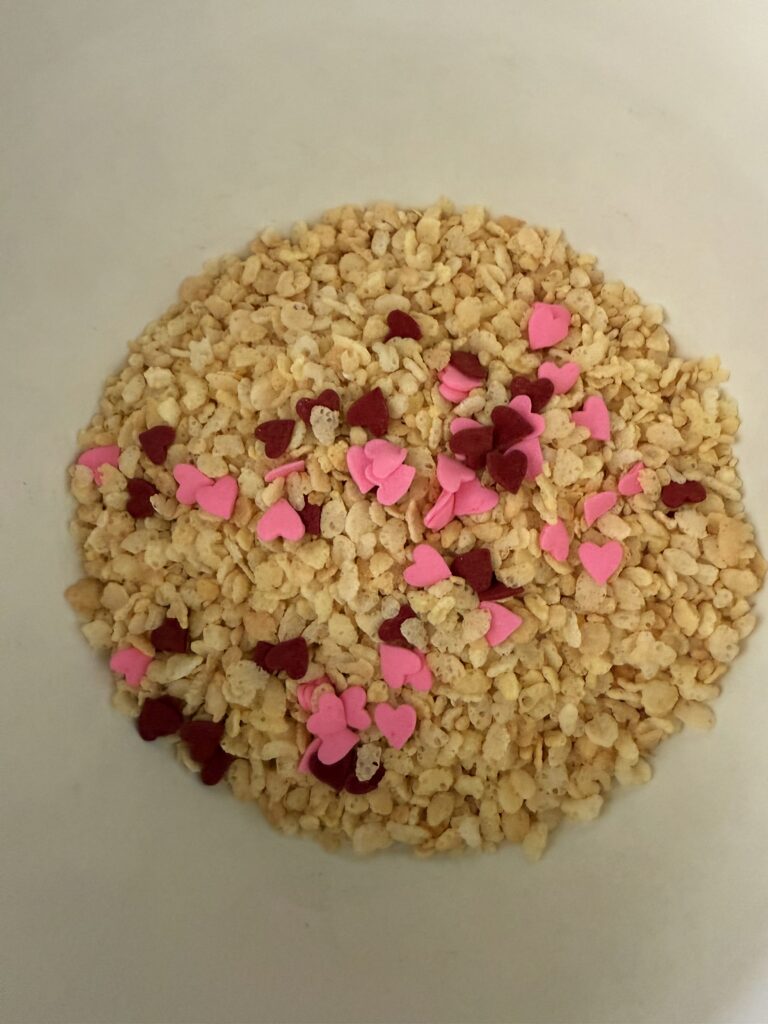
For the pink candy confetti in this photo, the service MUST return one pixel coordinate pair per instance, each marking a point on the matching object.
(402, 666)
(596, 505)
(131, 663)
(95, 458)
(629, 484)
(503, 622)
(601, 562)
(396, 725)
(454, 385)
(563, 377)
(548, 324)
(216, 497)
(280, 520)
(379, 464)
(442, 512)
(595, 417)
(285, 470)
(428, 567)
(554, 540)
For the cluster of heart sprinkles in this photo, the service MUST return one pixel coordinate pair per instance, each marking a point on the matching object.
(413, 528)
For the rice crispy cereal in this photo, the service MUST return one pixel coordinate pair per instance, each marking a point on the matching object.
(415, 529)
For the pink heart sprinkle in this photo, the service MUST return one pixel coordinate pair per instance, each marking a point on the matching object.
(395, 724)
(459, 423)
(601, 562)
(190, 480)
(548, 324)
(452, 475)
(330, 716)
(131, 663)
(503, 622)
(94, 458)
(531, 448)
(398, 664)
(595, 417)
(451, 395)
(335, 746)
(306, 757)
(630, 484)
(280, 520)
(442, 511)
(285, 470)
(458, 381)
(354, 700)
(396, 485)
(472, 499)
(553, 539)
(596, 505)
(383, 458)
(563, 377)
(421, 680)
(219, 499)
(357, 464)
(523, 406)
(428, 568)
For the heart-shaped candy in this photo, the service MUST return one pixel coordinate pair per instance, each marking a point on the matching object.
(629, 483)
(595, 417)
(276, 435)
(383, 458)
(389, 630)
(190, 480)
(596, 505)
(330, 717)
(523, 406)
(289, 656)
(260, 652)
(442, 511)
(428, 568)
(601, 562)
(170, 637)
(458, 381)
(451, 394)
(472, 499)
(402, 325)
(354, 699)
(553, 539)
(503, 622)
(156, 441)
(468, 364)
(305, 761)
(219, 498)
(451, 475)
(396, 485)
(130, 663)
(285, 470)
(336, 746)
(306, 692)
(563, 377)
(371, 412)
(139, 493)
(690, 492)
(473, 445)
(215, 768)
(310, 515)
(509, 426)
(361, 786)
(329, 399)
(475, 567)
(95, 458)
(280, 520)
(459, 423)
(539, 391)
(357, 464)
(530, 447)
(398, 664)
(548, 324)
(159, 716)
(202, 739)
(507, 469)
(421, 680)
(333, 775)
(395, 724)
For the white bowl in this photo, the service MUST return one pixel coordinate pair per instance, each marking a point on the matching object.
(141, 138)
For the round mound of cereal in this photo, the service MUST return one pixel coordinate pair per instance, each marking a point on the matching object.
(414, 529)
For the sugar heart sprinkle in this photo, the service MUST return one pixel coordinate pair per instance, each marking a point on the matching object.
(475, 567)
(170, 637)
(156, 441)
(329, 399)
(289, 656)
(139, 493)
(371, 412)
(276, 435)
(159, 716)
(402, 325)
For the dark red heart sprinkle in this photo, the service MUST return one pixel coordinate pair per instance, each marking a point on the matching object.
(370, 411)
(475, 567)
(507, 469)
(276, 435)
(539, 391)
(690, 492)
(468, 364)
(473, 443)
(328, 398)
(499, 591)
(359, 787)
(170, 638)
(334, 775)
(509, 427)
(215, 768)
(389, 630)
(202, 739)
(289, 656)
(159, 716)
(310, 516)
(139, 493)
(260, 652)
(155, 443)
(402, 325)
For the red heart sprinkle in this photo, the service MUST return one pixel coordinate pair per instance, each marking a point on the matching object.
(468, 364)
(475, 567)
(260, 652)
(539, 391)
(159, 716)
(507, 469)
(290, 656)
(402, 325)
(509, 427)
(170, 638)
(328, 398)
(310, 516)
(358, 787)
(215, 768)
(474, 443)
(499, 591)
(389, 630)
(334, 775)
(690, 492)
(370, 411)
(139, 493)
(202, 739)
(155, 443)
(276, 435)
